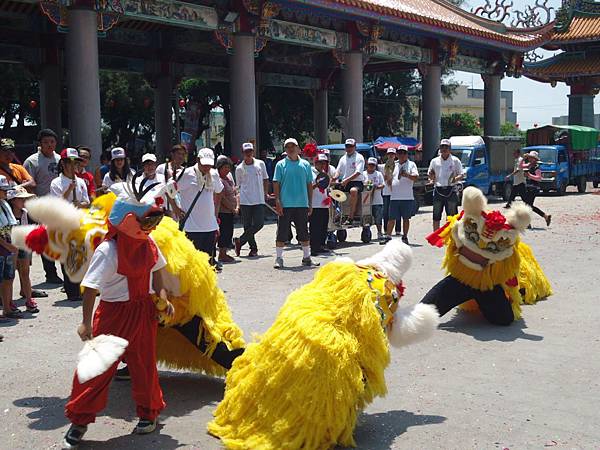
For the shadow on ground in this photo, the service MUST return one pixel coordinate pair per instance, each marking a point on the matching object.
(184, 394)
(378, 431)
(473, 324)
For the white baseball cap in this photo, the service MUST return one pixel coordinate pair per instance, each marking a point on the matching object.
(351, 142)
(117, 153)
(247, 146)
(206, 157)
(446, 142)
(18, 192)
(322, 157)
(4, 184)
(70, 153)
(402, 148)
(148, 157)
(534, 154)
(372, 160)
(290, 141)
(391, 150)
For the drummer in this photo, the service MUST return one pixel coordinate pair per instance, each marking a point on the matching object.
(350, 171)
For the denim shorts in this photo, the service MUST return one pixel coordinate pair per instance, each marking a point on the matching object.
(377, 213)
(7, 267)
(402, 209)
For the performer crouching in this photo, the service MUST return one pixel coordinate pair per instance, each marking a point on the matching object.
(124, 269)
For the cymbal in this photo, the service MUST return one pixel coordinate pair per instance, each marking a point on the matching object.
(338, 195)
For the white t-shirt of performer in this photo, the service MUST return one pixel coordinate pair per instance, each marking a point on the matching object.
(376, 178)
(349, 165)
(402, 187)
(319, 199)
(444, 169)
(102, 274)
(250, 180)
(202, 219)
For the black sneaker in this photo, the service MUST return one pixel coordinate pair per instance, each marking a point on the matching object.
(123, 374)
(145, 426)
(385, 239)
(307, 262)
(73, 437)
(54, 279)
(405, 239)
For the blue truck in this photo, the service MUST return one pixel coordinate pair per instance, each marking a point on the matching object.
(569, 156)
(487, 161)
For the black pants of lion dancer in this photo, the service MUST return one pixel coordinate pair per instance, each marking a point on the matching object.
(136, 322)
(449, 293)
(318, 221)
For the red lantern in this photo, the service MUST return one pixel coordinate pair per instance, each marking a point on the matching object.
(112, 103)
(32, 104)
(182, 103)
(478, 123)
(517, 125)
(457, 123)
(147, 103)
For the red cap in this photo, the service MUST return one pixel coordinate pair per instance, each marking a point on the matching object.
(70, 153)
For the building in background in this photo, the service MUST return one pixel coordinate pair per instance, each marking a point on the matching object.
(467, 100)
(564, 120)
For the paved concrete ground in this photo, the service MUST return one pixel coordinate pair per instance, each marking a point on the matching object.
(532, 385)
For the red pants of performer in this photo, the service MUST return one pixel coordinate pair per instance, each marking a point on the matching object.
(136, 322)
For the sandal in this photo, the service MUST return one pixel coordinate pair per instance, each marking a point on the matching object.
(36, 294)
(13, 315)
(32, 307)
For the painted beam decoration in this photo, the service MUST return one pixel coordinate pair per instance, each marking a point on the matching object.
(288, 81)
(293, 33)
(402, 52)
(469, 64)
(173, 13)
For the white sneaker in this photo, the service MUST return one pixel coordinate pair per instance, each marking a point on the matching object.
(73, 437)
(278, 263)
(145, 426)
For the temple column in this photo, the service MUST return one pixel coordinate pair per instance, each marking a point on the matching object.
(431, 110)
(491, 105)
(50, 92)
(352, 91)
(163, 114)
(320, 118)
(242, 85)
(83, 81)
(581, 106)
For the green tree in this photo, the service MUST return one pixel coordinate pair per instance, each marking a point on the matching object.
(460, 124)
(19, 100)
(510, 129)
(127, 108)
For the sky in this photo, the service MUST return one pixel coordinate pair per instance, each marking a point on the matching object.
(533, 102)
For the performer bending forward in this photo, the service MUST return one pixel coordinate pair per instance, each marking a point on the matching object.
(124, 269)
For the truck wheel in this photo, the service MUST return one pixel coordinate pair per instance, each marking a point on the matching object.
(581, 185)
(342, 235)
(506, 191)
(595, 184)
(366, 235)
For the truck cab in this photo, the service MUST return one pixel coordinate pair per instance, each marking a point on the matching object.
(471, 151)
(568, 156)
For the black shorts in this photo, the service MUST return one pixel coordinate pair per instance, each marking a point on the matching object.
(359, 185)
(444, 198)
(297, 216)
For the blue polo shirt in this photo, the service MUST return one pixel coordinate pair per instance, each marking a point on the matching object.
(293, 178)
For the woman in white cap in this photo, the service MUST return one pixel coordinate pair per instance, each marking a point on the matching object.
(119, 168)
(533, 175)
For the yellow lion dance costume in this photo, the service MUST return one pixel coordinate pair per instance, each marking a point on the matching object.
(201, 336)
(489, 268)
(323, 359)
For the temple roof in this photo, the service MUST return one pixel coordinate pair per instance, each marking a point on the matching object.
(565, 66)
(440, 16)
(577, 22)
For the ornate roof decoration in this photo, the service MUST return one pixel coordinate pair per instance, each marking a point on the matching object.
(577, 21)
(438, 16)
(536, 15)
(57, 12)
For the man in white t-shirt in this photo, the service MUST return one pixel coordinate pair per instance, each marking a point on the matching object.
(252, 180)
(518, 179)
(374, 178)
(200, 187)
(444, 172)
(323, 174)
(350, 173)
(402, 198)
